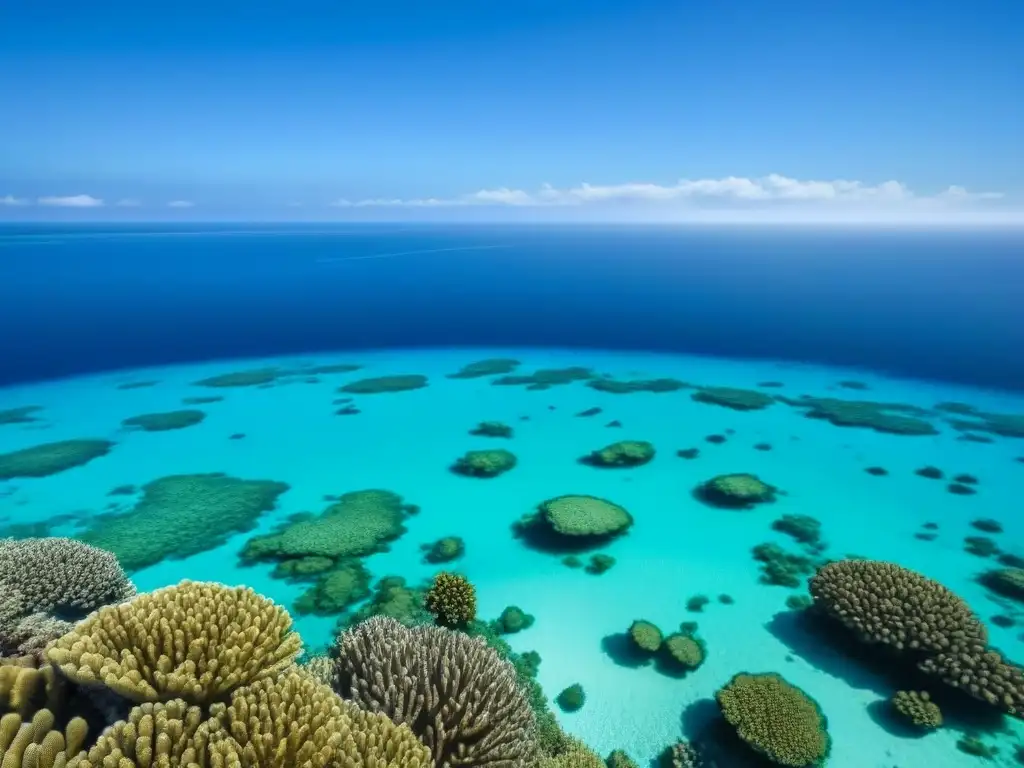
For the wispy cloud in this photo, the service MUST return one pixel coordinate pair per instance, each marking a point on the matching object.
(12, 200)
(71, 201)
(128, 202)
(731, 190)
(180, 204)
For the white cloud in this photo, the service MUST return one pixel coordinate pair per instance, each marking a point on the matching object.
(731, 193)
(128, 202)
(12, 200)
(180, 204)
(72, 201)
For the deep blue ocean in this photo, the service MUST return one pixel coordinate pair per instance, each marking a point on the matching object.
(945, 304)
(336, 415)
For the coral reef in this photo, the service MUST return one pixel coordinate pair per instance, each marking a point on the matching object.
(195, 641)
(201, 399)
(682, 652)
(645, 636)
(513, 619)
(182, 515)
(599, 563)
(680, 755)
(625, 453)
(451, 598)
(251, 378)
(491, 367)
(575, 754)
(619, 759)
(456, 694)
(336, 590)
(381, 384)
(891, 418)
(734, 398)
(804, 528)
(688, 453)
(36, 743)
(491, 429)
(444, 550)
(736, 491)
(490, 463)
(20, 415)
(929, 472)
(162, 422)
(776, 719)
(637, 385)
(1008, 582)
(546, 378)
(50, 458)
(917, 709)
(571, 699)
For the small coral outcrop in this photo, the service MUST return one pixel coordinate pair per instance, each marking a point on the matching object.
(740, 490)
(165, 421)
(380, 384)
(734, 398)
(645, 636)
(194, 641)
(776, 719)
(451, 598)
(574, 522)
(491, 429)
(489, 463)
(571, 699)
(917, 709)
(513, 619)
(622, 454)
(682, 652)
(444, 550)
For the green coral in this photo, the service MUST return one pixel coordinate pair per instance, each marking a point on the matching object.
(804, 528)
(890, 418)
(393, 598)
(359, 523)
(619, 759)
(50, 458)
(683, 652)
(740, 490)
(624, 453)
(489, 367)
(572, 698)
(303, 568)
(491, 429)
(1008, 582)
(645, 636)
(776, 719)
(584, 516)
(918, 709)
(513, 619)
(732, 397)
(166, 421)
(451, 598)
(20, 415)
(600, 563)
(381, 384)
(489, 463)
(335, 591)
(182, 515)
(444, 550)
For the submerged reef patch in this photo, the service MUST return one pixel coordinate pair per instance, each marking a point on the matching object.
(491, 429)
(741, 490)
(490, 367)
(336, 590)
(261, 377)
(21, 415)
(202, 399)
(382, 384)
(891, 418)
(444, 550)
(637, 385)
(734, 398)
(162, 422)
(573, 523)
(545, 378)
(621, 454)
(50, 458)
(137, 384)
(182, 515)
(490, 463)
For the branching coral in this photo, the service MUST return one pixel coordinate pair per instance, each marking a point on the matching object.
(452, 599)
(776, 719)
(154, 735)
(195, 641)
(455, 693)
(917, 708)
(36, 743)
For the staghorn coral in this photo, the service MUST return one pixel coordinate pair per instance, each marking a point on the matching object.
(456, 694)
(195, 641)
(36, 743)
(917, 708)
(451, 598)
(776, 719)
(886, 603)
(62, 577)
(320, 667)
(153, 735)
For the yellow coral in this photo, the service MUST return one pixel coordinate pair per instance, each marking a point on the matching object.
(195, 641)
(776, 718)
(24, 688)
(452, 599)
(296, 722)
(918, 708)
(161, 734)
(576, 755)
(35, 744)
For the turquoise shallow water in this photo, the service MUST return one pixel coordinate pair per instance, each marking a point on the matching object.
(677, 548)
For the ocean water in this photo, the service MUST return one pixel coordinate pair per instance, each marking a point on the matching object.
(100, 327)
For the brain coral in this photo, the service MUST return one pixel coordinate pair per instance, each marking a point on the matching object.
(886, 603)
(776, 719)
(358, 523)
(584, 516)
(194, 641)
(455, 693)
(61, 576)
(451, 598)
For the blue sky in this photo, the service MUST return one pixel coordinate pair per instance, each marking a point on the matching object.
(640, 109)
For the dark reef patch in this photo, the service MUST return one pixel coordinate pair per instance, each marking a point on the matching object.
(545, 378)
(734, 398)
(163, 422)
(890, 418)
(490, 463)
(851, 384)
(50, 458)
(589, 412)
(620, 455)
(688, 453)
(932, 473)
(202, 400)
(20, 415)
(637, 385)
(266, 377)
(491, 429)
(770, 384)
(382, 384)
(877, 471)
(1001, 424)
(137, 384)
(715, 439)
(491, 367)
(182, 515)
